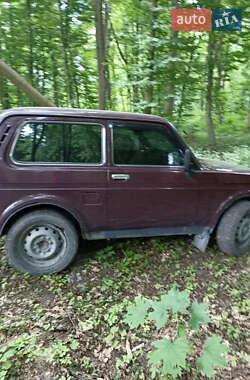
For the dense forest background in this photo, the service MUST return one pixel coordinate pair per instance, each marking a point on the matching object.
(124, 55)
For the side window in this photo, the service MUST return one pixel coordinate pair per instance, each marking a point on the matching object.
(59, 143)
(145, 145)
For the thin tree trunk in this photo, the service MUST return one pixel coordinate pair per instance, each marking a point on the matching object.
(35, 143)
(64, 31)
(55, 78)
(30, 41)
(248, 122)
(101, 25)
(134, 76)
(107, 43)
(7, 72)
(170, 88)
(209, 104)
(183, 90)
(219, 83)
(74, 79)
(151, 56)
(4, 96)
(124, 60)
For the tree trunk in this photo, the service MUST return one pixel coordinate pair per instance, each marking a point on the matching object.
(65, 31)
(209, 103)
(248, 122)
(170, 88)
(30, 41)
(124, 60)
(23, 85)
(183, 90)
(219, 82)
(101, 25)
(55, 78)
(151, 55)
(134, 75)
(4, 96)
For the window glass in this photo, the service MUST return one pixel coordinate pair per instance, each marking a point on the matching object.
(145, 145)
(59, 143)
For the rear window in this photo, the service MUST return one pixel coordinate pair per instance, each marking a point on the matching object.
(73, 143)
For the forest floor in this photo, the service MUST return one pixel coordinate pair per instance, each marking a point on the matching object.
(72, 325)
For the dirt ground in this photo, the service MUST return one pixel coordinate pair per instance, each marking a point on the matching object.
(72, 325)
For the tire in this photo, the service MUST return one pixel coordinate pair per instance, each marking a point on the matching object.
(233, 232)
(41, 242)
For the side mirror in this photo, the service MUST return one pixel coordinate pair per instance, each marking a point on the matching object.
(187, 162)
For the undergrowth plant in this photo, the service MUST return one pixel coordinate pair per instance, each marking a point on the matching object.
(170, 357)
(12, 355)
(238, 155)
(26, 348)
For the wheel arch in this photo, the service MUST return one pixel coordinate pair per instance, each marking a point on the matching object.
(227, 206)
(29, 208)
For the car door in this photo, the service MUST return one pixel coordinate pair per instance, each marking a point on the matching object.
(148, 187)
(59, 161)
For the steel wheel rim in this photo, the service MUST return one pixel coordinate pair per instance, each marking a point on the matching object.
(44, 242)
(243, 231)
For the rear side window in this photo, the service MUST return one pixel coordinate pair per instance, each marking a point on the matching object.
(59, 143)
(145, 145)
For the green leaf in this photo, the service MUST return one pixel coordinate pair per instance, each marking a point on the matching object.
(169, 358)
(136, 313)
(212, 356)
(74, 345)
(181, 331)
(6, 365)
(159, 315)
(8, 354)
(176, 301)
(199, 315)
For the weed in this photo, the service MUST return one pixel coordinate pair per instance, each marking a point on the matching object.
(171, 357)
(15, 352)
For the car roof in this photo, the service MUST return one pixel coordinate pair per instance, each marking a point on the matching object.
(77, 112)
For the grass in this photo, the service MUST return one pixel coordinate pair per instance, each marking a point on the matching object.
(72, 325)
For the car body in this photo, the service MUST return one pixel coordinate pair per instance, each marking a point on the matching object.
(111, 174)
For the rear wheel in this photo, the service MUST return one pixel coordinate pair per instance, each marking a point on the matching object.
(41, 242)
(233, 232)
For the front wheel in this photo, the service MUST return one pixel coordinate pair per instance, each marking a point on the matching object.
(233, 232)
(41, 242)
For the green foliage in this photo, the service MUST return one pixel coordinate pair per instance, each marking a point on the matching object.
(237, 155)
(199, 315)
(103, 255)
(169, 358)
(137, 313)
(60, 352)
(57, 54)
(212, 356)
(159, 313)
(177, 301)
(12, 354)
(174, 301)
(87, 329)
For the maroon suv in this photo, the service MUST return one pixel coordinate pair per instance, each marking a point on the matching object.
(99, 174)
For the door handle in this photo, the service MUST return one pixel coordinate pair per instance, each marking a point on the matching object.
(120, 176)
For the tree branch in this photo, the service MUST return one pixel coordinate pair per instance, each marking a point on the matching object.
(23, 85)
